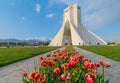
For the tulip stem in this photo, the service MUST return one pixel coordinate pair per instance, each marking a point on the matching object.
(102, 74)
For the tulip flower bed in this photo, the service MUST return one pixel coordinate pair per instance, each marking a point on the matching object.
(63, 66)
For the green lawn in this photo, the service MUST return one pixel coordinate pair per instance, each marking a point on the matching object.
(112, 52)
(11, 55)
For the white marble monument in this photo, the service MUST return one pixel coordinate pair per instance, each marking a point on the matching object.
(73, 31)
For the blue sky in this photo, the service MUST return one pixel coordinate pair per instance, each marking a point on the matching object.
(23, 19)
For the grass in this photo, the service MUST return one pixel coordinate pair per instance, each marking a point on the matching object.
(11, 55)
(112, 52)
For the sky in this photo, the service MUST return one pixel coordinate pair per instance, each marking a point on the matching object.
(27, 19)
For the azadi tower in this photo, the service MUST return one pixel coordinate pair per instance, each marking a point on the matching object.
(73, 32)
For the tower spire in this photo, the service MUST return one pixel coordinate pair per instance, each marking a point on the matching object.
(73, 31)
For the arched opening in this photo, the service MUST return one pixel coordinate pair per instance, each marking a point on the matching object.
(67, 34)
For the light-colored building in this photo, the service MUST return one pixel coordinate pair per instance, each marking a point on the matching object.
(73, 32)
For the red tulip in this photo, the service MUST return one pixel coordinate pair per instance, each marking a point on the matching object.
(94, 70)
(54, 55)
(42, 79)
(72, 63)
(107, 65)
(66, 58)
(87, 64)
(64, 66)
(97, 65)
(56, 71)
(62, 77)
(61, 57)
(42, 57)
(58, 51)
(51, 63)
(55, 59)
(72, 59)
(44, 63)
(48, 55)
(68, 78)
(32, 76)
(87, 60)
(31, 79)
(37, 76)
(24, 74)
(90, 78)
(80, 57)
(101, 62)
(75, 52)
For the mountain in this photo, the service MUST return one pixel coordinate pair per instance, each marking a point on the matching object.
(10, 40)
(27, 40)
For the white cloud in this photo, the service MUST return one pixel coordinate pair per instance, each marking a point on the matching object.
(95, 13)
(38, 7)
(99, 13)
(23, 18)
(50, 15)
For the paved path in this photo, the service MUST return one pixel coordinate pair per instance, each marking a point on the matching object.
(12, 73)
(112, 73)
